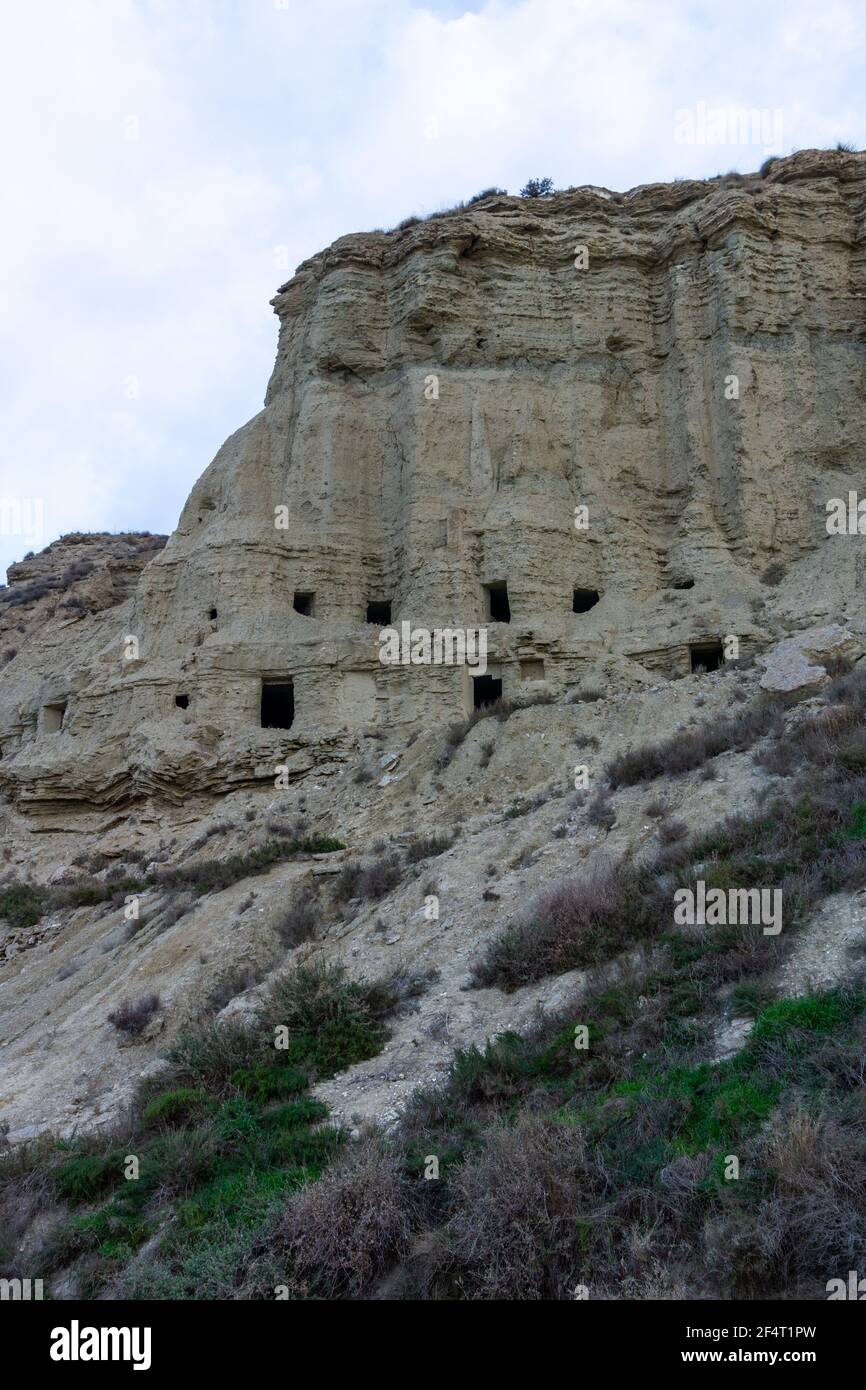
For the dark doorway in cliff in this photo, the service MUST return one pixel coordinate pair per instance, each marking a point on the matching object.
(498, 607)
(181, 701)
(486, 690)
(584, 599)
(379, 613)
(706, 656)
(303, 603)
(212, 615)
(278, 704)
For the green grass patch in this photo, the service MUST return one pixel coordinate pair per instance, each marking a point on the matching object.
(224, 1134)
(22, 904)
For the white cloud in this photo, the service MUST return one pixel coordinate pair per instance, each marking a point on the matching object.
(261, 127)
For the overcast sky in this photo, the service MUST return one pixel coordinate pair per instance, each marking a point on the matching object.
(167, 163)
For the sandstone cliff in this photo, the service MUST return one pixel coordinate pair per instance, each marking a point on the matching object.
(444, 398)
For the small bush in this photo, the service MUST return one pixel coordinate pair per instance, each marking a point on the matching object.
(83, 1177)
(22, 904)
(774, 574)
(207, 1055)
(213, 875)
(522, 1211)
(488, 193)
(298, 923)
(601, 811)
(174, 1107)
(579, 922)
(369, 881)
(380, 877)
(537, 188)
(343, 1234)
(670, 831)
(133, 1015)
(427, 847)
(332, 1022)
(689, 750)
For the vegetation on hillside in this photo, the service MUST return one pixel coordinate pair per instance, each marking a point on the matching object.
(617, 1149)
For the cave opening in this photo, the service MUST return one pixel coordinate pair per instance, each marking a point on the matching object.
(498, 607)
(584, 599)
(278, 704)
(486, 690)
(706, 656)
(379, 613)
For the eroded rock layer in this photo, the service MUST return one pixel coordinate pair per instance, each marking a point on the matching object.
(687, 362)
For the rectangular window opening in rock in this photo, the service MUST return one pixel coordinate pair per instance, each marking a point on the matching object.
(498, 607)
(705, 656)
(532, 669)
(584, 599)
(181, 701)
(52, 718)
(303, 602)
(486, 690)
(212, 614)
(379, 612)
(278, 704)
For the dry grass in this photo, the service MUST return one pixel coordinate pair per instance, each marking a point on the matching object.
(517, 1230)
(133, 1015)
(341, 1235)
(689, 750)
(300, 922)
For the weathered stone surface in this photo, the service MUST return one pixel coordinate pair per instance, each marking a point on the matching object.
(555, 388)
(796, 663)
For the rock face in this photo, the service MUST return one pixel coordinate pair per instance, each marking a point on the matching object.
(447, 400)
(796, 664)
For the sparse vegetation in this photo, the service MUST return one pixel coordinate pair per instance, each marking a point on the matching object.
(133, 1015)
(806, 845)
(500, 710)
(427, 847)
(300, 922)
(774, 574)
(587, 695)
(369, 880)
(23, 904)
(690, 749)
(223, 1136)
(601, 811)
(537, 188)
